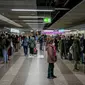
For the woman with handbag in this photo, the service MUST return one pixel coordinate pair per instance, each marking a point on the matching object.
(52, 58)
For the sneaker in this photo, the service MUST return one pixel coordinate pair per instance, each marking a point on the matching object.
(54, 76)
(75, 69)
(50, 77)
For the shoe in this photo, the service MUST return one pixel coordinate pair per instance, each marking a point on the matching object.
(50, 77)
(54, 76)
(75, 69)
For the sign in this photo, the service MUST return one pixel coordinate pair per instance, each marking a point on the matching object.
(47, 20)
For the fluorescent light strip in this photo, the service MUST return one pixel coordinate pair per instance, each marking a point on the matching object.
(33, 20)
(34, 10)
(31, 17)
(34, 23)
(62, 9)
(9, 21)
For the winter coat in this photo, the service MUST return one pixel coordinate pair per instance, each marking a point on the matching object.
(32, 43)
(51, 58)
(25, 42)
(62, 46)
(76, 50)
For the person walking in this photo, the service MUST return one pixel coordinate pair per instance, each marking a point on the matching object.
(25, 45)
(32, 45)
(51, 59)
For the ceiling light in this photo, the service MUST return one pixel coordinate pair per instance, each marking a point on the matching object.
(34, 23)
(9, 21)
(34, 10)
(62, 9)
(31, 16)
(33, 20)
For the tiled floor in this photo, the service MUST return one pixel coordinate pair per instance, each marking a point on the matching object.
(32, 70)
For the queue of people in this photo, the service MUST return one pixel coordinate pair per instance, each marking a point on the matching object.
(70, 48)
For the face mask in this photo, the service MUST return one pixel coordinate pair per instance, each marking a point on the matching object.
(53, 43)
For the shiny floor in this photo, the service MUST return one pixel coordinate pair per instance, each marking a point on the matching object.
(32, 70)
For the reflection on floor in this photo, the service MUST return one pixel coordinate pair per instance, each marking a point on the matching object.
(32, 70)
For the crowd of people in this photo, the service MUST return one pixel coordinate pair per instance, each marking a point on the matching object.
(69, 47)
(9, 43)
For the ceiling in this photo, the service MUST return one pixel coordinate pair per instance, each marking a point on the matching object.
(35, 23)
(74, 17)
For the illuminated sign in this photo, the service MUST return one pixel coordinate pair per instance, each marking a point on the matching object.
(47, 20)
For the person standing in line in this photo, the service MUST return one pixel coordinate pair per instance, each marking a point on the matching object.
(62, 47)
(5, 47)
(25, 45)
(51, 59)
(56, 43)
(41, 42)
(76, 53)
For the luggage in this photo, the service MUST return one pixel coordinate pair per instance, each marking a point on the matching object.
(35, 51)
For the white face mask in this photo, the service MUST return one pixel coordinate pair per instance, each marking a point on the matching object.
(53, 43)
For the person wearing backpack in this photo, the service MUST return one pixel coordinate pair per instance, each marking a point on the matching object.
(25, 45)
(32, 45)
(51, 59)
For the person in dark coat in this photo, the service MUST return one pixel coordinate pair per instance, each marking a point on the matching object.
(56, 43)
(76, 53)
(32, 45)
(62, 48)
(25, 45)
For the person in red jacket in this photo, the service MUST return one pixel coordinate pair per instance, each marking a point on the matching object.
(51, 59)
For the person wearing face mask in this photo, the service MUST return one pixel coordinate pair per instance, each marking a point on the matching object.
(51, 59)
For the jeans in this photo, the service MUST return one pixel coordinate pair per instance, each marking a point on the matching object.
(25, 50)
(41, 44)
(50, 70)
(5, 55)
(82, 57)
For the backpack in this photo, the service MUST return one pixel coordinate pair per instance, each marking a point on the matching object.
(32, 45)
(25, 43)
